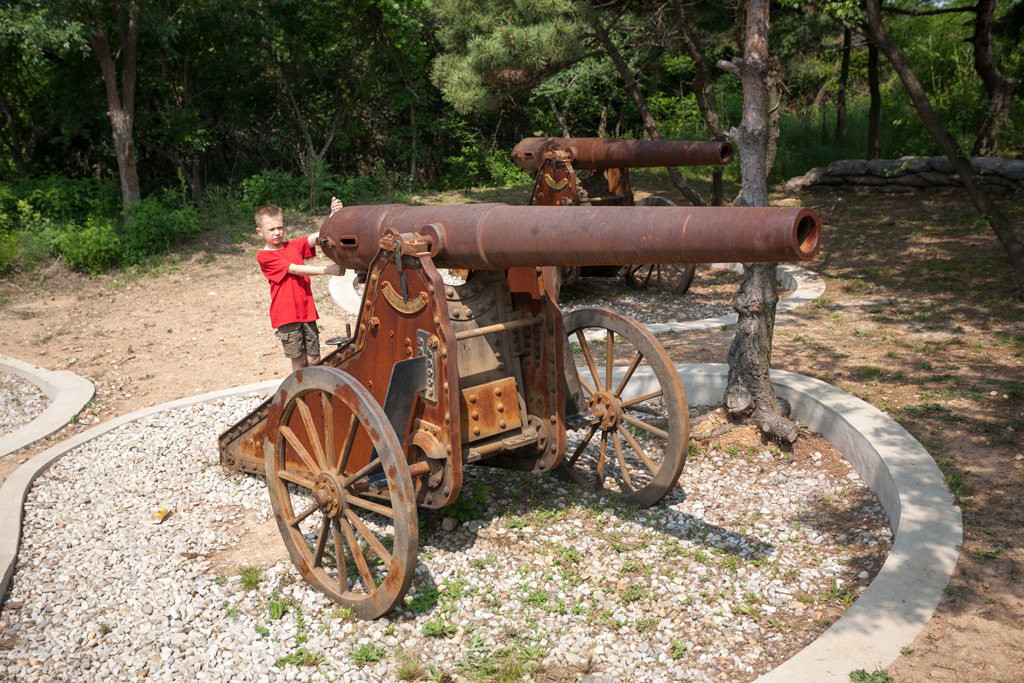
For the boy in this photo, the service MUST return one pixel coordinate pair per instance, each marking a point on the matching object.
(292, 312)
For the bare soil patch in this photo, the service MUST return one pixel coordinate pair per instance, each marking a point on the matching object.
(920, 319)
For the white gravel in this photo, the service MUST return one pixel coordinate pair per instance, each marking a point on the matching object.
(20, 402)
(731, 573)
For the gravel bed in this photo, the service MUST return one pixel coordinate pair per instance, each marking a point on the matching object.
(737, 569)
(20, 402)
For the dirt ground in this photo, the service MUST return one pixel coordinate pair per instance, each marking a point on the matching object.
(920, 319)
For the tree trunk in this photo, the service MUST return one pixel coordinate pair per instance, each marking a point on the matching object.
(650, 125)
(875, 109)
(1000, 89)
(12, 126)
(844, 74)
(412, 155)
(602, 126)
(559, 116)
(749, 393)
(120, 101)
(703, 86)
(979, 196)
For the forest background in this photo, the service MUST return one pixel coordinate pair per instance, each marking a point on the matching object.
(221, 106)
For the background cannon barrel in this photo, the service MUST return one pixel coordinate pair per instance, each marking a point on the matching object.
(601, 153)
(498, 236)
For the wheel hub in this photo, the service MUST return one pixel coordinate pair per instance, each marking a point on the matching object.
(605, 406)
(328, 496)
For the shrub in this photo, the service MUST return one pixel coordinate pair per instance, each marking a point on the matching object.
(275, 187)
(93, 247)
(154, 227)
(8, 250)
(72, 199)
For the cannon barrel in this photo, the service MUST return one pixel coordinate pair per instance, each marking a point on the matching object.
(499, 236)
(601, 153)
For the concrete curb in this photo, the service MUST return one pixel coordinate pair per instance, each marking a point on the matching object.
(803, 285)
(16, 488)
(68, 394)
(890, 612)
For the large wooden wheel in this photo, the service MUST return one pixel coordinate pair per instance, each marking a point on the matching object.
(637, 441)
(670, 278)
(341, 490)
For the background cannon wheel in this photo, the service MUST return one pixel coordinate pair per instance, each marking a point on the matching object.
(637, 446)
(671, 278)
(341, 490)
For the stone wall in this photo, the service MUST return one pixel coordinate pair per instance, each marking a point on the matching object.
(910, 173)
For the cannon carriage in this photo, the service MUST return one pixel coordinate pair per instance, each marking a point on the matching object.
(439, 376)
(604, 180)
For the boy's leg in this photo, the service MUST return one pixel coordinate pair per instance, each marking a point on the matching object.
(311, 342)
(292, 340)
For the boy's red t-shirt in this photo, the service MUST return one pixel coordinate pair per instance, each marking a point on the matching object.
(291, 297)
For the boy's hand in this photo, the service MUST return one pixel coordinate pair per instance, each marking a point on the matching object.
(336, 204)
(334, 269)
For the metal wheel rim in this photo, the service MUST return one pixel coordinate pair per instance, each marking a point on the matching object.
(613, 437)
(349, 518)
(673, 278)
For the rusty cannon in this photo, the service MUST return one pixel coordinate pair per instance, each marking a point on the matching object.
(605, 181)
(441, 375)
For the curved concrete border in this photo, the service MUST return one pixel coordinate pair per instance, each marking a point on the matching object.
(67, 392)
(16, 488)
(887, 616)
(804, 286)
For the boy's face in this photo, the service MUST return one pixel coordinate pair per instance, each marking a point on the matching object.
(271, 229)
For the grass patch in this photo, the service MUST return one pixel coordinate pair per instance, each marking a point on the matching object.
(250, 576)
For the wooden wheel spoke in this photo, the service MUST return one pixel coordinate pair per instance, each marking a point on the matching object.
(339, 552)
(583, 444)
(647, 280)
(641, 399)
(622, 461)
(609, 363)
(321, 542)
(586, 387)
(311, 431)
(644, 426)
(369, 467)
(298, 519)
(357, 555)
(629, 373)
(327, 409)
(294, 442)
(370, 537)
(585, 348)
(601, 458)
(346, 448)
(295, 479)
(370, 505)
(639, 450)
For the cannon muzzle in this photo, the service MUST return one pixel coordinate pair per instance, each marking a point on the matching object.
(602, 154)
(499, 236)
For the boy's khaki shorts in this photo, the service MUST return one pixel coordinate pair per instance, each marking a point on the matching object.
(298, 339)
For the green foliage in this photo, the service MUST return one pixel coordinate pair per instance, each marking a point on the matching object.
(367, 653)
(438, 628)
(250, 576)
(301, 657)
(876, 676)
(8, 250)
(274, 187)
(472, 506)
